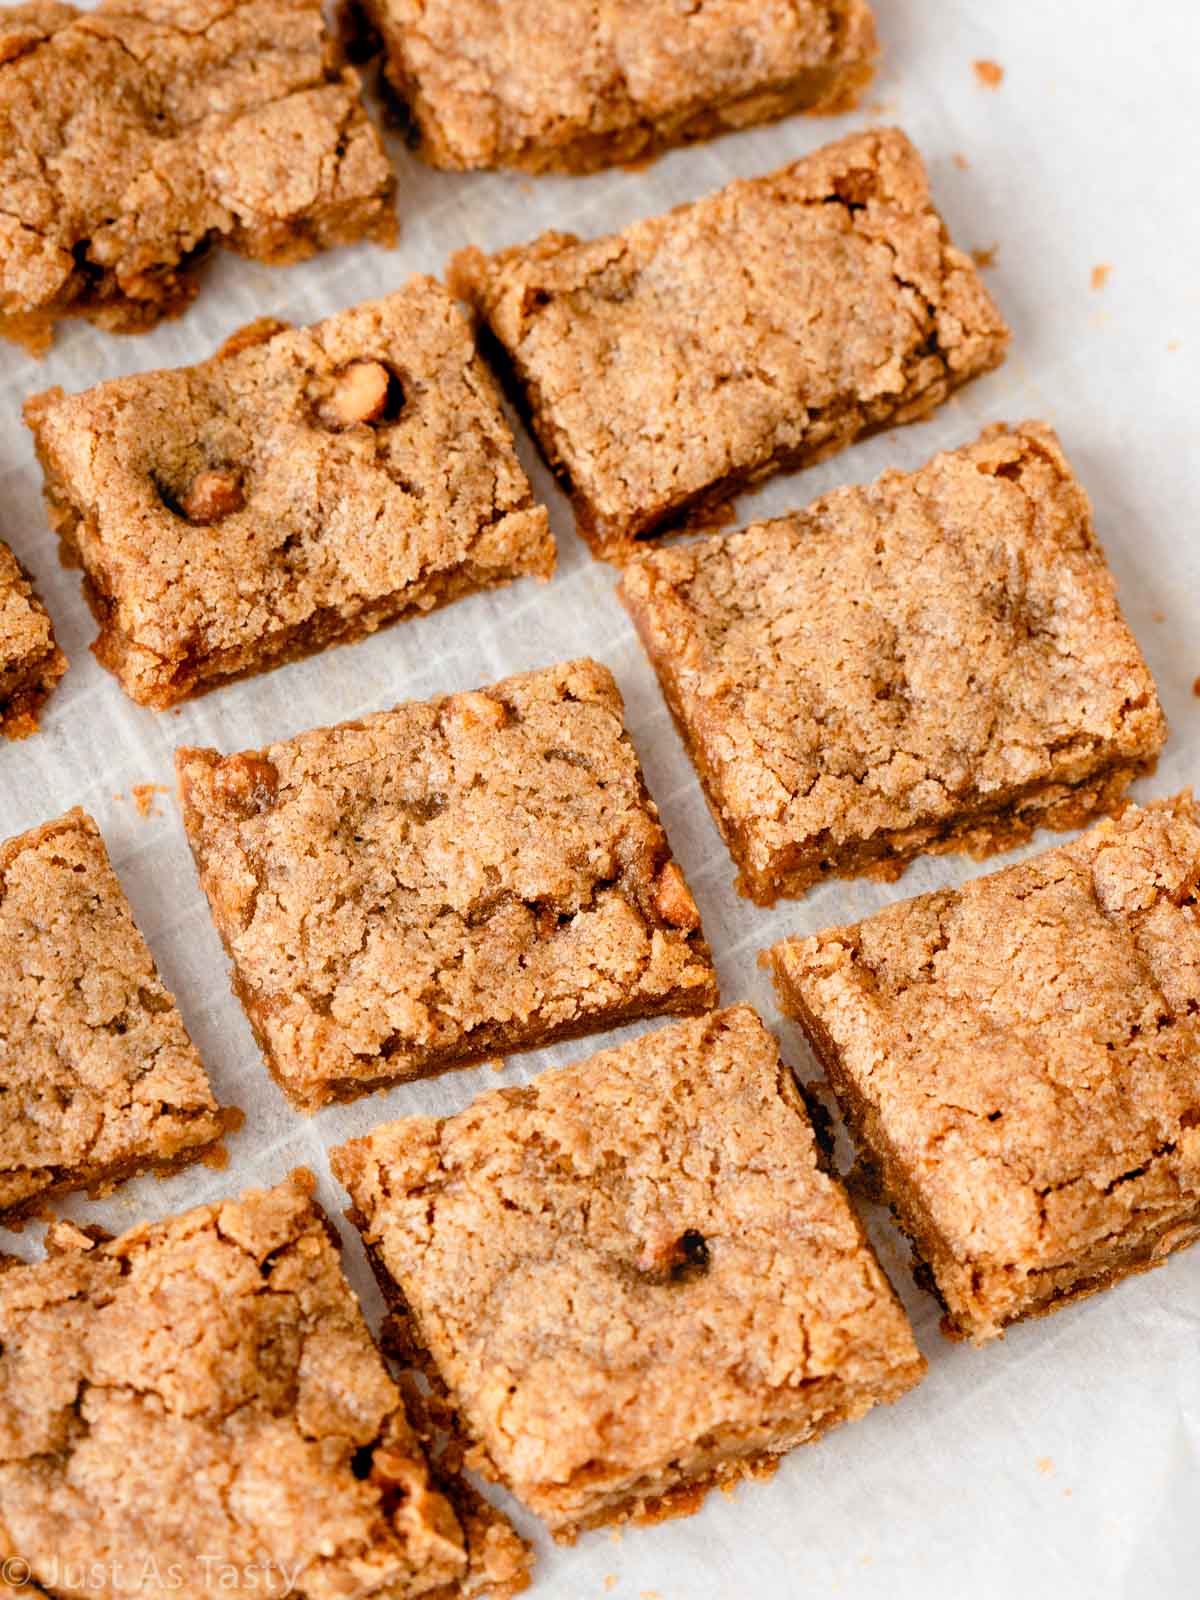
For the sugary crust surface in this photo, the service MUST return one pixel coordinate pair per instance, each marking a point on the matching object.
(301, 488)
(99, 1079)
(936, 661)
(550, 85)
(632, 1273)
(762, 327)
(442, 882)
(30, 661)
(133, 135)
(1018, 1059)
(202, 1397)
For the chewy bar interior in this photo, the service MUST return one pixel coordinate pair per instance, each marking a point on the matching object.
(30, 661)
(934, 662)
(98, 1078)
(667, 367)
(1017, 1059)
(549, 85)
(134, 135)
(444, 882)
(632, 1275)
(297, 490)
(200, 1398)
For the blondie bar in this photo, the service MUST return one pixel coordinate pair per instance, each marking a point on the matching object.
(935, 662)
(98, 1078)
(632, 1275)
(1019, 1060)
(135, 135)
(549, 85)
(197, 1406)
(30, 661)
(299, 489)
(667, 367)
(443, 882)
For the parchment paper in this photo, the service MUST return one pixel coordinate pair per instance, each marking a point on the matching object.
(1065, 1459)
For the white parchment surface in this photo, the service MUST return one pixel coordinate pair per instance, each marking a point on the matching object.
(1063, 1460)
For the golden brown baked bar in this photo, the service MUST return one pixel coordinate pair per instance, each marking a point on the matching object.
(197, 1406)
(632, 1275)
(135, 135)
(667, 367)
(299, 489)
(444, 882)
(30, 661)
(934, 662)
(1019, 1061)
(553, 86)
(98, 1078)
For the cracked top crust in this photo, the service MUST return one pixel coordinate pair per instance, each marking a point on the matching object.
(132, 134)
(352, 469)
(203, 1394)
(628, 1258)
(1026, 1046)
(769, 323)
(29, 657)
(896, 656)
(444, 880)
(549, 84)
(98, 1078)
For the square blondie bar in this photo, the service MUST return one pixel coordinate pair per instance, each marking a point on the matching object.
(934, 662)
(98, 1078)
(30, 661)
(197, 1405)
(552, 86)
(632, 1275)
(665, 368)
(1019, 1061)
(443, 882)
(299, 489)
(135, 135)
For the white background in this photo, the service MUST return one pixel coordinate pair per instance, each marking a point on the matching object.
(1065, 1459)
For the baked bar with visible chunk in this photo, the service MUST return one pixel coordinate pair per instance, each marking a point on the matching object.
(552, 86)
(1019, 1060)
(30, 661)
(632, 1275)
(98, 1078)
(443, 882)
(135, 135)
(299, 489)
(934, 662)
(665, 368)
(197, 1405)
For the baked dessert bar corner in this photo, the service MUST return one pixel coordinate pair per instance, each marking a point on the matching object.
(30, 661)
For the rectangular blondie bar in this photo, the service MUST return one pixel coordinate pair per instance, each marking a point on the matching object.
(30, 661)
(136, 134)
(443, 882)
(198, 1405)
(667, 367)
(98, 1078)
(632, 1275)
(549, 85)
(299, 489)
(1019, 1060)
(934, 662)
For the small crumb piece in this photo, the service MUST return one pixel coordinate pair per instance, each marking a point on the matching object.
(989, 73)
(212, 497)
(960, 161)
(144, 795)
(673, 899)
(1045, 1466)
(1173, 345)
(217, 1158)
(1100, 274)
(610, 1580)
(359, 394)
(1158, 616)
(985, 258)
(1196, 688)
